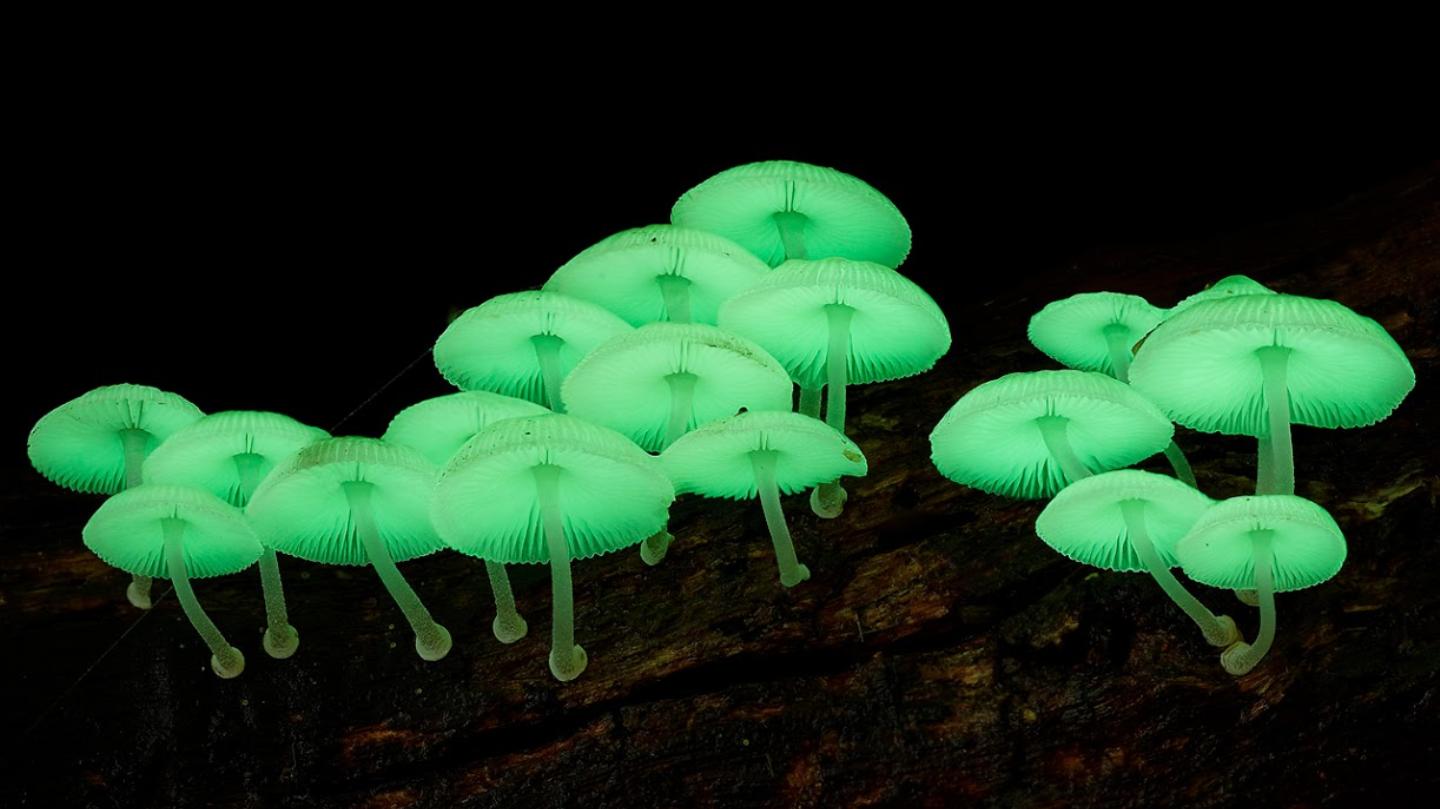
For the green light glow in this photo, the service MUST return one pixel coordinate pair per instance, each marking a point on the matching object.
(781, 210)
(1094, 331)
(1228, 287)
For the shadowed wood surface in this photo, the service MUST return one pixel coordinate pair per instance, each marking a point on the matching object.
(940, 655)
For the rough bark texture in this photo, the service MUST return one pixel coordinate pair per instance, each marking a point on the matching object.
(940, 655)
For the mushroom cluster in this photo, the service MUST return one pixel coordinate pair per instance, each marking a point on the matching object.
(664, 359)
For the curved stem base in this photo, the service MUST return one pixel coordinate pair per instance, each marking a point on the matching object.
(655, 546)
(828, 500)
(1249, 598)
(508, 626)
(228, 663)
(280, 642)
(568, 667)
(137, 592)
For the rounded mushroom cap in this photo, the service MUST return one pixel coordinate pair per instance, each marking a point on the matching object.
(78, 445)
(990, 438)
(612, 494)
(203, 454)
(715, 460)
(1085, 521)
(621, 272)
(127, 532)
(491, 347)
(438, 427)
(302, 508)
(1074, 331)
(1228, 287)
(842, 215)
(1306, 544)
(622, 384)
(1201, 366)
(896, 329)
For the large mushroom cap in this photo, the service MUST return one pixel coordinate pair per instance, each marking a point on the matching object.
(127, 531)
(624, 272)
(841, 215)
(1086, 523)
(990, 438)
(491, 346)
(622, 384)
(301, 508)
(715, 460)
(438, 427)
(896, 329)
(203, 454)
(1307, 546)
(612, 494)
(78, 445)
(1076, 330)
(1202, 366)
(1228, 287)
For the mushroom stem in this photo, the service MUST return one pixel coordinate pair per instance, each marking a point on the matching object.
(792, 233)
(1180, 464)
(280, 639)
(1117, 338)
(225, 659)
(135, 441)
(809, 402)
(547, 352)
(675, 289)
(1274, 361)
(1242, 657)
(682, 400)
(508, 626)
(655, 546)
(432, 641)
(1264, 466)
(1053, 430)
(1219, 630)
(829, 498)
(567, 659)
(791, 571)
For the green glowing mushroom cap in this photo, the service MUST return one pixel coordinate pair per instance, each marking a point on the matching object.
(715, 461)
(991, 440)
(624, 383)
(438, 427)
(301, 508)
(492, 346)
(80, 445)
(1077, 330)
(205, 453)
(838, 214)
(1307, 546)
(1228, 287)
(612, 494)
(896, 329)
(127, 532)
(1202, 367)
(1085, 521)
(626, 272)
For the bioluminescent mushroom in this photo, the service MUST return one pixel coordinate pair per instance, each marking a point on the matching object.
(356, 501)
(837, 322)
(550, 489)
(656, 383)
(659, 273)
(1096, 331)
(438, 427)
(523, 344)
(97, 442)
(781, 210)
(1029, 434)
(1255, 364)
(1129, 521)
(228, 454)
(1269, 543)
(764, 455)
(1228, 287)
(180, 533)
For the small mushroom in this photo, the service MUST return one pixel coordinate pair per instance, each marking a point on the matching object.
(356, 501)
(835, 323)
(228, 454)
(1271, 543)
(781, 210)
(1030, 434)
(180, 533)
(659, 273)
(97, 443)
(1129, 521)
(553, 488)
(523, 344)
(764, 455)
(437, 428)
